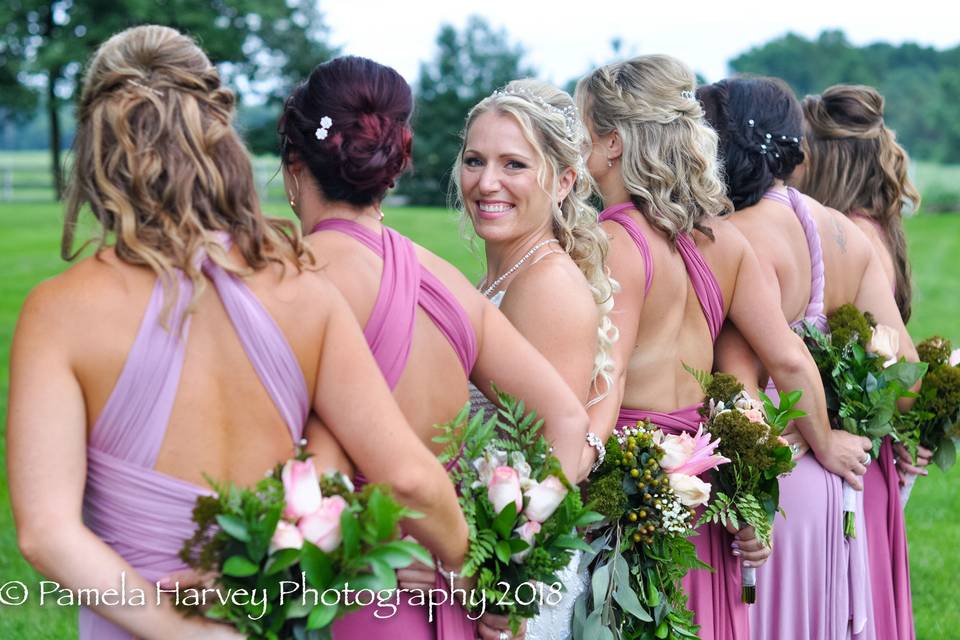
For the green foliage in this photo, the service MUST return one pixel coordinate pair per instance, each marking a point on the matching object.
(512, 437)
(861, 393)
(934, 351)
(468, 66)
(921, 84)
(847, 325)
(637, 557)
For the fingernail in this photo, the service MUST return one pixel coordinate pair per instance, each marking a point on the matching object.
(736, 553)
(747, 563)
(735, 545)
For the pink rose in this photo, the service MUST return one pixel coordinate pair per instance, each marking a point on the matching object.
(955, 357)
(527, 531)
(301, 490)
(286, 536)
(885, 343)
(322, 527)
(543, 498)
(504, 488)
(754, 415)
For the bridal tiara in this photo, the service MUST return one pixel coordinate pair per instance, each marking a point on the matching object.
(571, 117)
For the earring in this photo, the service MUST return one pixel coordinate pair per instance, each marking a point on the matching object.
(609, 163)
(291, 197)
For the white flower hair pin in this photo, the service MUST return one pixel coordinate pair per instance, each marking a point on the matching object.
(324, 128)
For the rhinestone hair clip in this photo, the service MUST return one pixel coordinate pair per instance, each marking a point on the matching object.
(769, 145)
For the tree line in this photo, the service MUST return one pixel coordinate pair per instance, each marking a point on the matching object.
(269, 47)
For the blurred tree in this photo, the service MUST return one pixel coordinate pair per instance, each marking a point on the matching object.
(921, 84)
(269, 44)
(467, 68)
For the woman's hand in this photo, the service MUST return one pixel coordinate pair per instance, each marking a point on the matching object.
(847, 456)
(417, 577)
(746, 547)
(494, 627)
(904, 462)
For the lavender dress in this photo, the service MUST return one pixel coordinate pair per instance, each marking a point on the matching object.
(814, 585)
(714, 597)
(145, 515)
(404, 285)
(889, 560)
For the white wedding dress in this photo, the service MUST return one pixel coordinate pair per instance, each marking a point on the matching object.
(555, 622)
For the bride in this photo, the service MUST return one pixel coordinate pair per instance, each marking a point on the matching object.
(521, 180)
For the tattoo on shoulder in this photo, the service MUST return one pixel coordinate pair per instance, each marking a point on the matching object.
(839, 237)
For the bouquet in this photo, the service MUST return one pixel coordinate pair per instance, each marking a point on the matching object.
(292, 538)
(936, 413)
(862, 380)
(521, 511)
(748, 489)
(646, 489)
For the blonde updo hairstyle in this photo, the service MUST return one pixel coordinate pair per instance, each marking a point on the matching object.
(669, 163)
(855, 165)
(550, 124)
(160, 165)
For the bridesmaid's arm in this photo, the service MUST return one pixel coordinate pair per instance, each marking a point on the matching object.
(46, 462)
(507, 359)
(757, 315)
(353, 401)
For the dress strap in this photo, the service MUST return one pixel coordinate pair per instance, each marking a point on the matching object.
(685, 420)
(705, 284)
(814, 312)
(405, 284)
(618, 213)
(265, 345)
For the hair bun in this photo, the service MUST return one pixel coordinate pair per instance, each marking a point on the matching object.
(368, 142)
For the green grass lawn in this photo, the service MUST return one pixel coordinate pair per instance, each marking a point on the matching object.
(29, 250)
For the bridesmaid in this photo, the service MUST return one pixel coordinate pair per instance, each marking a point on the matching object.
(199, 327)
(813, 586)
(346, 139)
(521, 180)
(682, 272)
(856, 166)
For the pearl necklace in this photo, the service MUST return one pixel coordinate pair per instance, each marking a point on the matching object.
(511, 270)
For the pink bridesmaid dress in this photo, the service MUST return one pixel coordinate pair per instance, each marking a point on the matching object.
(404, 285)
(714, 597)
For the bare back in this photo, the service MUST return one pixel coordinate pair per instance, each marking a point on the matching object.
(105, 300)
(433, 386)
(672, 328)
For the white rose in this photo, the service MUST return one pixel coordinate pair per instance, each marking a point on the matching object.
(885, 343)
(691, 490)
(676, 451)
(955, 357)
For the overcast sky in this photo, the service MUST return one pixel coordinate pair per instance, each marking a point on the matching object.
(565, 39)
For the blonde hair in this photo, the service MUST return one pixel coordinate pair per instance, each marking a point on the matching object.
(669, 163)
(160, 165)
(856, 166)
(550, 124)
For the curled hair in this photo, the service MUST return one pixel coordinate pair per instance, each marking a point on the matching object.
(368, 143)
(669, 163)
(159, 163)
(760, 125)
(856, 166)
(548, 119)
